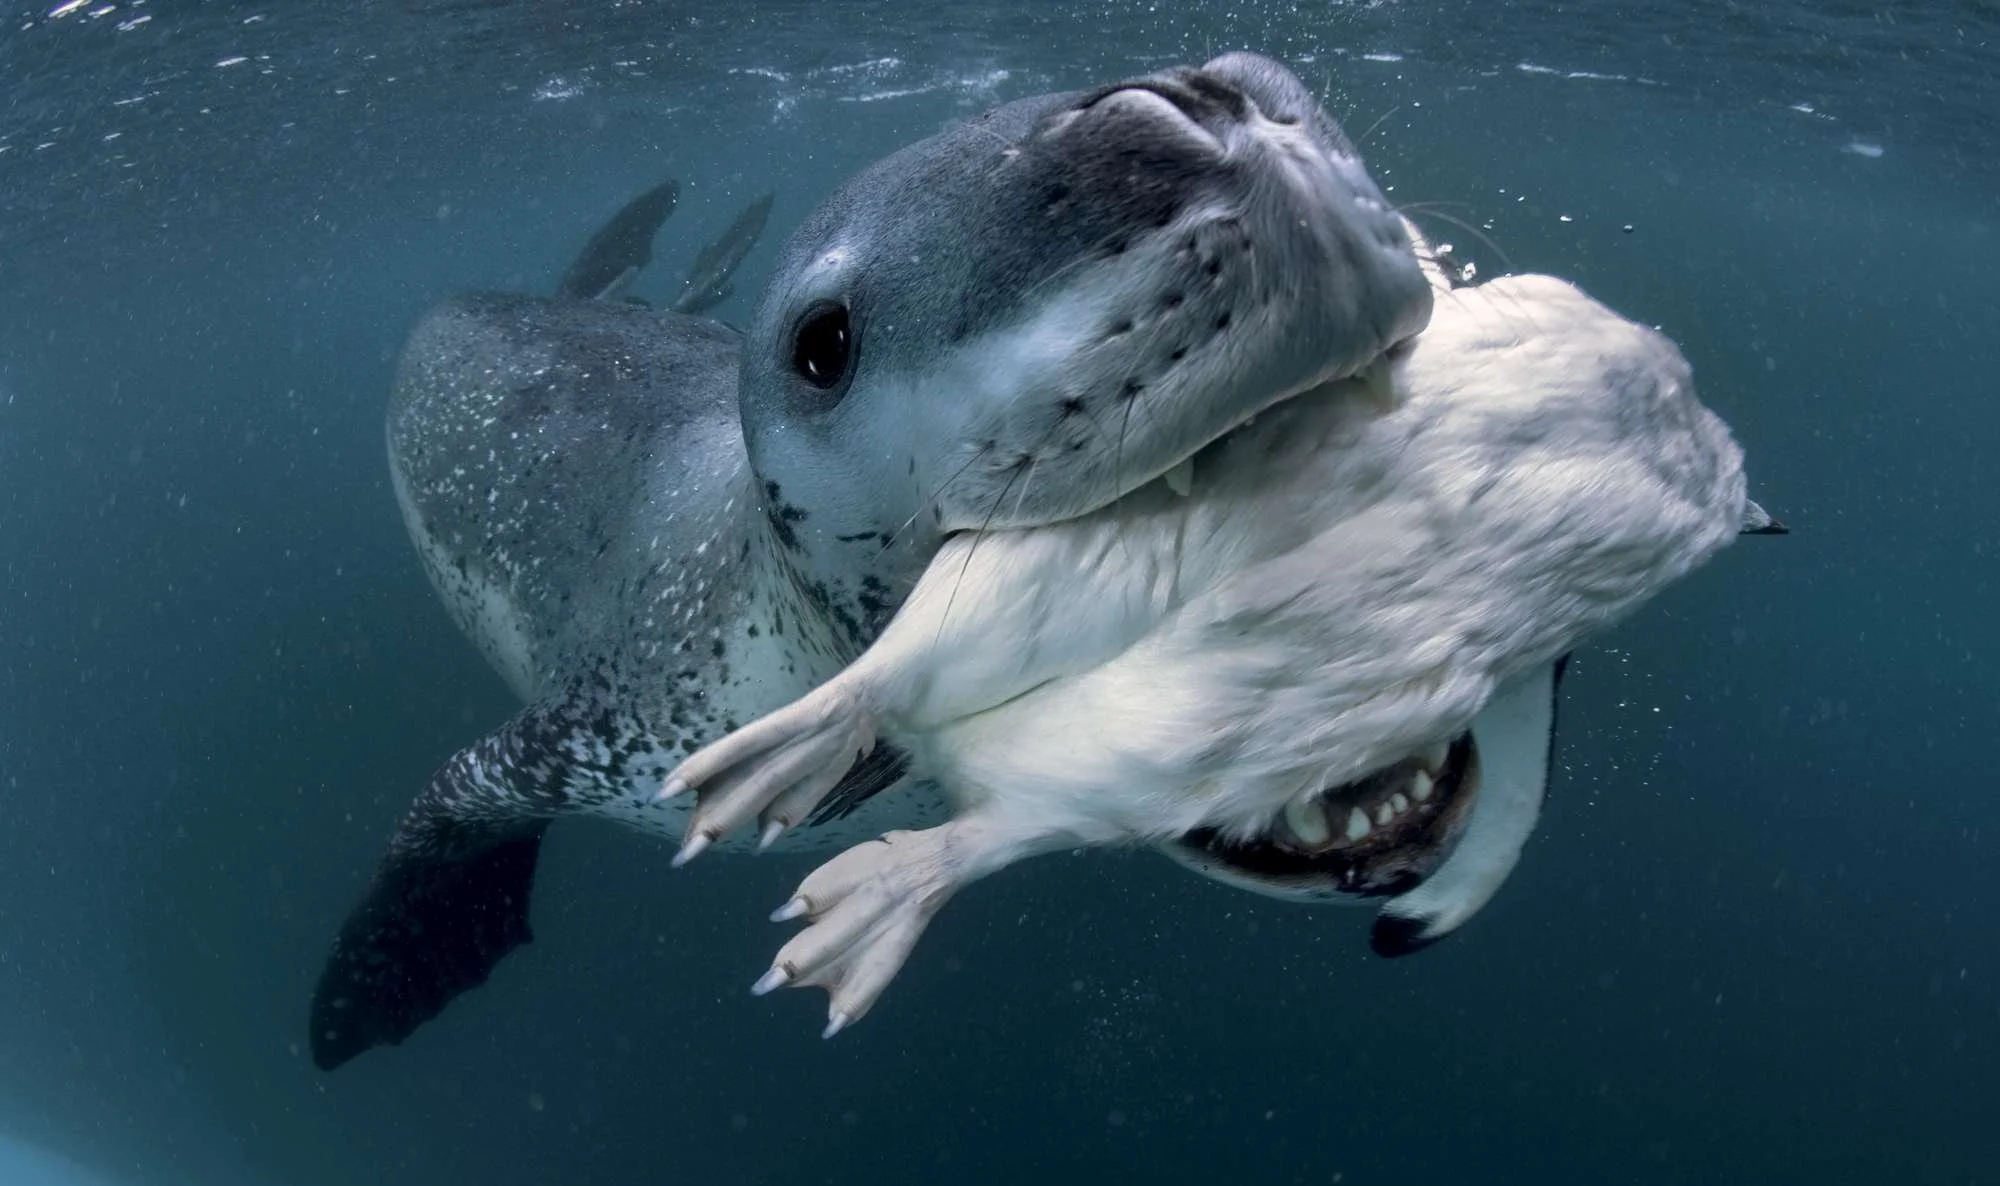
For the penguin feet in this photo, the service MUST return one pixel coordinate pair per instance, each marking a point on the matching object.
(775, 770)
(865, 910)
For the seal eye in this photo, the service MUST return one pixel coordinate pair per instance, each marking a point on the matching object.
(823, 347)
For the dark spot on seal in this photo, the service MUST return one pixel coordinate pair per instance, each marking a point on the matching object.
(781, 520)
(1172, 300)
(1123, 327)
(1116, 247)
(833, 610)
(1132, 388)
(1222, 322)
(1072, 406)
(1179, 353)
(874, 599)
(781, 516)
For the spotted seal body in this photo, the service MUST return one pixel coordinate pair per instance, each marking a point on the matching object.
(660, 530)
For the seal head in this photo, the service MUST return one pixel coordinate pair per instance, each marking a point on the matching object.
(1033, 313)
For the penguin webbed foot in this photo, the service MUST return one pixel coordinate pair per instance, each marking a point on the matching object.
(776, 770)
(865, 909)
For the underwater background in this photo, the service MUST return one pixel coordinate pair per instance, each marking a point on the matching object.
(1753, 940)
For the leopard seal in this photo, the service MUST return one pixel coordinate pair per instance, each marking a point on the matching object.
(658, 528)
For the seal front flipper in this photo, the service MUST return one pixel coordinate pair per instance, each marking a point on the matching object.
(1515, 736)
(621, 248)
(447, 903)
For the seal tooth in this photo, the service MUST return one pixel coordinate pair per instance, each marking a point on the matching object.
(1308, 823)
(1180, 479)
(1399, 803)
(1420, 786)
(1357, 824)
(1384, 813)
(1436, 755)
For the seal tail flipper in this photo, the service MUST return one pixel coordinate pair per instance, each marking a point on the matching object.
(707, 284)
(447, 903)
(1515, 735)
(429, 929)
(621, 248)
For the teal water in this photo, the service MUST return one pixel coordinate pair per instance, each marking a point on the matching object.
(1750, 943)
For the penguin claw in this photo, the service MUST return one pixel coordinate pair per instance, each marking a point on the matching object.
(869, 906)
(780, 767)
(692, 847)
(778, 977)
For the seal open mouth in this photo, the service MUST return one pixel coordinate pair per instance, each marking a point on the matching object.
(1377, 836)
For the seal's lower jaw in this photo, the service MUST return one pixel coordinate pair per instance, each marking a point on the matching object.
(1378, 836)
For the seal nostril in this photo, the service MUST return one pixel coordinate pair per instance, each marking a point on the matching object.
(1203, 98)
(1218, 92)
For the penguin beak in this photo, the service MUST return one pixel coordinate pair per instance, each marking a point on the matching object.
(1758, 521)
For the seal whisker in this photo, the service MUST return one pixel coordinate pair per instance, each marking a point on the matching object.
(970, 551)
(1378, 123)
(922, 503)
(1429, 209)
(1026, 484)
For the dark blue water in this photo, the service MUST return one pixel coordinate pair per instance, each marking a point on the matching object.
(1753, 941)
